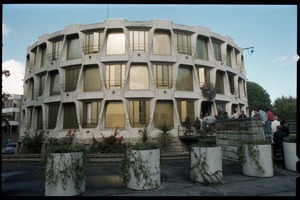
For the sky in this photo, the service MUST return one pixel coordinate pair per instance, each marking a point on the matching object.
(270, 29)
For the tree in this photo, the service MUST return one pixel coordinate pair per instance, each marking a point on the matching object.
(258, 97)
(5, 117)
(285, 108)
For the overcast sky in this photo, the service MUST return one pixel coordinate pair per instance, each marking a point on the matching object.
(270, 29)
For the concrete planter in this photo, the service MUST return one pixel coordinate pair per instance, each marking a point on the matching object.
(61, 178)
(290, 157)
(206, 164)
(144, 169)
(264, 165)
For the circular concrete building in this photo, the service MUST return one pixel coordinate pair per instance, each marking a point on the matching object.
(129, 74)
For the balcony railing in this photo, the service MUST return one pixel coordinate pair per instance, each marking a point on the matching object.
(91, 49)
(53, 56)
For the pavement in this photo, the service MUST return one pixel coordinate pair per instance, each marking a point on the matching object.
(22, 178)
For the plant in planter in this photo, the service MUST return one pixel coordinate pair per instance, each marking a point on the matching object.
(255, 158)
(34, 144)
(289, 152)
(140, 165)
(206, 162)
(110, 144)
(64, 166)
(165, 135)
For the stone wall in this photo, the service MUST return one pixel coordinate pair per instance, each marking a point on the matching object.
(229, 133)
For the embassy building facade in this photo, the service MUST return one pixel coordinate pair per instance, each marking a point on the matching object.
(129, 74)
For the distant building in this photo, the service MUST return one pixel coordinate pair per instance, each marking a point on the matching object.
(12, 108)
(129, 74)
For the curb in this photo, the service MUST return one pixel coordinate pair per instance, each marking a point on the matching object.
(107, 157)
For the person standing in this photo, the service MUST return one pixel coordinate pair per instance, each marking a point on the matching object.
(264, 118)
(234, 115)
(226, 115)
(242, 115)
(270, 115)
(278, 139)
(284, 128)
(274, 125)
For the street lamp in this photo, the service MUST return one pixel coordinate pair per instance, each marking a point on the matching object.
(250, 50)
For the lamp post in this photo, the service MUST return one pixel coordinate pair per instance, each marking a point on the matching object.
(250, 50)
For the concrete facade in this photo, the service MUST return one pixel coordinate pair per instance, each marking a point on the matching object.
(129, 74)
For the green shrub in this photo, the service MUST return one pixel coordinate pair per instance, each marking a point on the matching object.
(34, 144)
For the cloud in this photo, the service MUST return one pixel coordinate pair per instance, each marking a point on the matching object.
(285, 60)
(281, 58)
(14, 83)
(5, 29)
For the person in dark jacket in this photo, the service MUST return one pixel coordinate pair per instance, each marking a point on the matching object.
(278, 138)
(284, 127)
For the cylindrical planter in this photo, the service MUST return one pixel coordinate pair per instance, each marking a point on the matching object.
(65, 174)
(144, 169)
(262, 165)
(206, 164)
(290, 157)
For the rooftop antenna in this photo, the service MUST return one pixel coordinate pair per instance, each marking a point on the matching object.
(250, 50)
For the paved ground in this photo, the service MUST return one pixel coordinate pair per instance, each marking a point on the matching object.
(20, 178)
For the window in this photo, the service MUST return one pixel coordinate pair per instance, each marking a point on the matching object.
(41, 84)
(217, 50)
(73, 50)
(115, 76)
(228, 57)
(186, 109)
(56, 49)
(43, 55)
(33, 58)
(70, 116)
(139, 113)
(31, 89)
(221, 107)
(71, 78)
(184, 80)
(162, 76)
(138, 41)
(54, 83)
(163, 112)
(220, 82)
(115, 44)
(92, 81)
(231, 83)
(241, 88)
(115, 115)
(29, 117)
(161, 43)
(139, 77)
(52, 115)
(93, 42)
(204, 75)
(39, 125)
(201, 49)
(184, 43)
(91, 111)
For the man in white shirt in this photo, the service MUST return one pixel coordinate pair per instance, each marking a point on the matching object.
(234, 115)
(274, 125)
